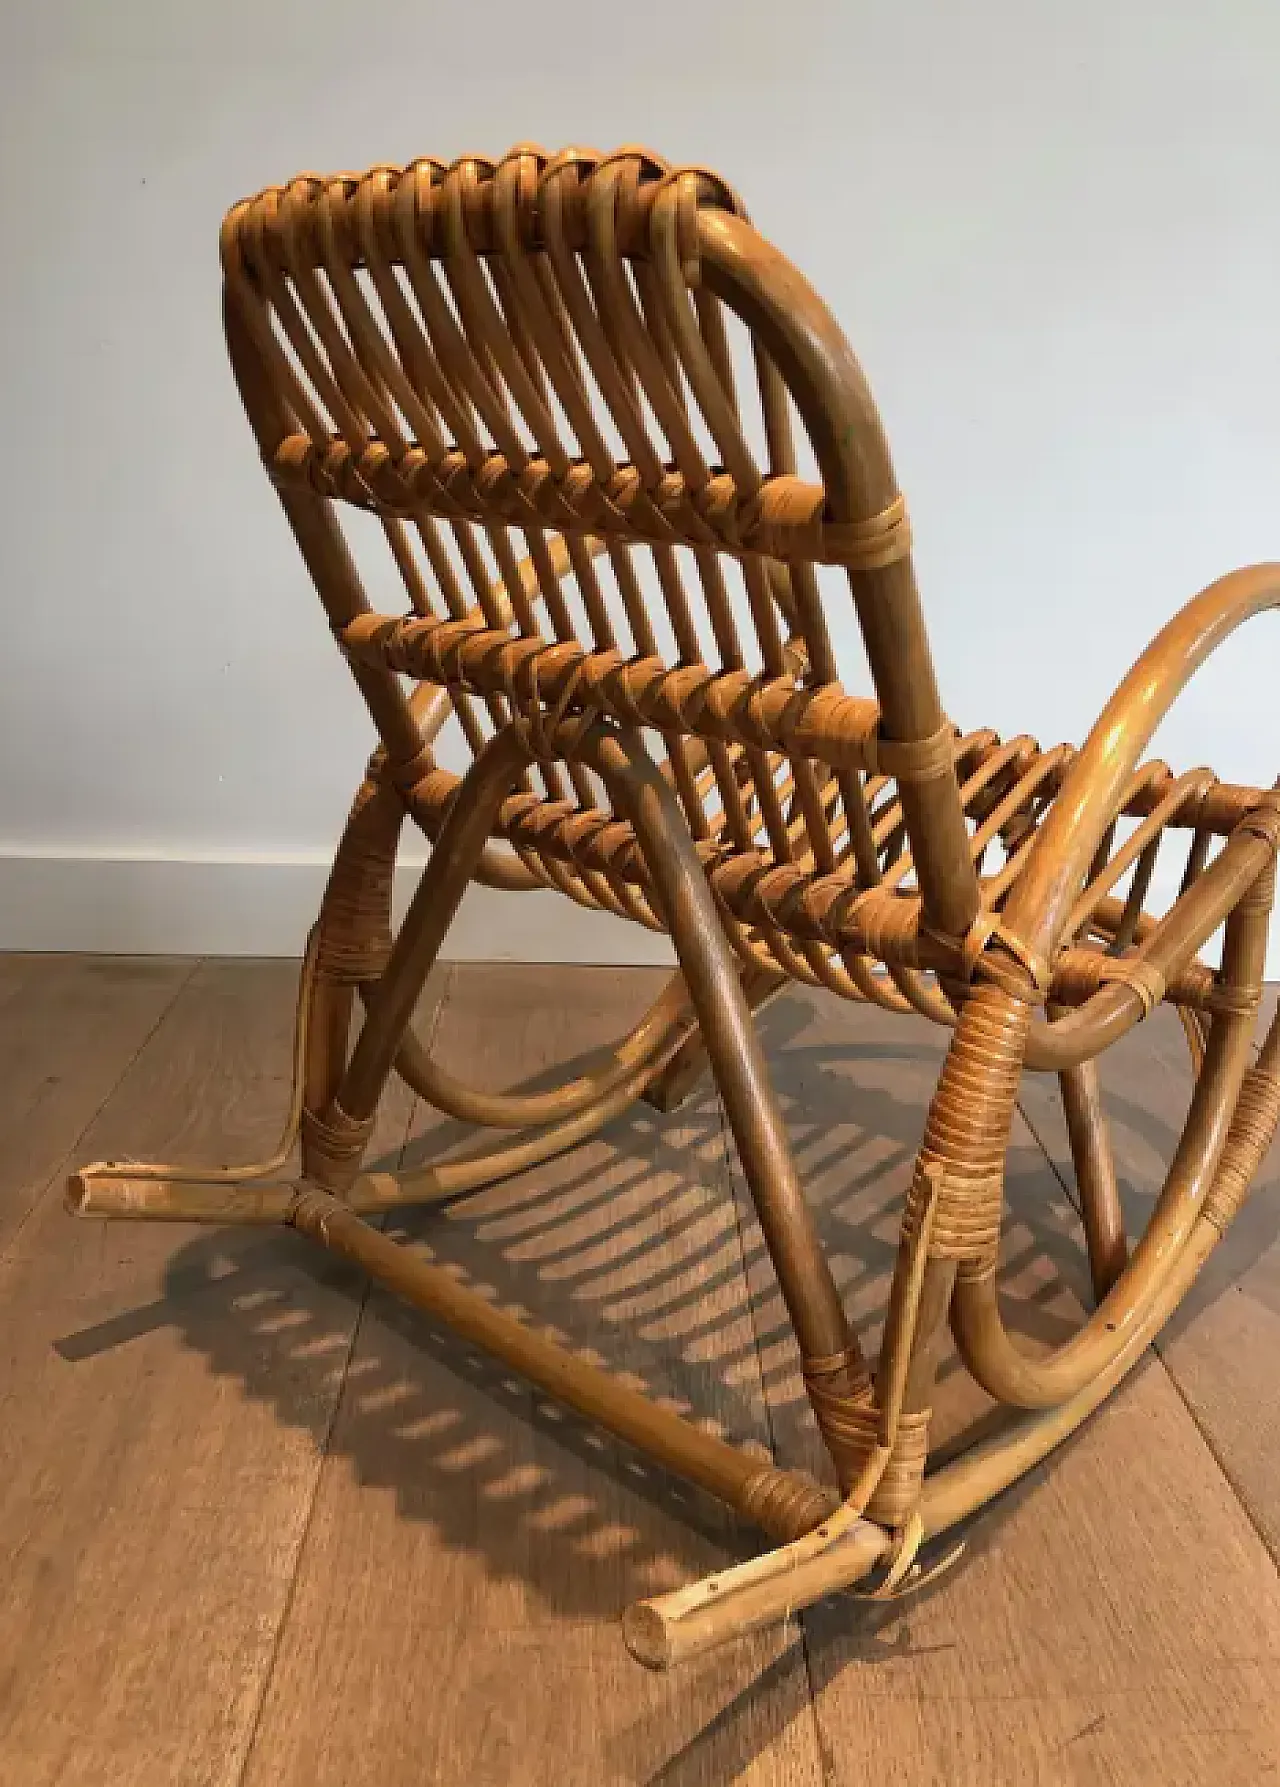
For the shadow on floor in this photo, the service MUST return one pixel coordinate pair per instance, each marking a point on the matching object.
(638, 1249)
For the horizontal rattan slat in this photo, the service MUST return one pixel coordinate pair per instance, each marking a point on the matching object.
(731, 705)
(784, 519)
(823, 722)
(349, 204)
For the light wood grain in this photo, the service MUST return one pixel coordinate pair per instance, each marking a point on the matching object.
(69, 1027)
(1079, 1639)
(164, 1396)
(513, 1535)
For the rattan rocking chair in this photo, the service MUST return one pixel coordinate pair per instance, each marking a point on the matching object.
(578, 395)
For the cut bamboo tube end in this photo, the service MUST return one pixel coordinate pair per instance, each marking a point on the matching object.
(167, 1200)
(668, 1090)
(146, 1196)
(647, 1635)
(765, 1591)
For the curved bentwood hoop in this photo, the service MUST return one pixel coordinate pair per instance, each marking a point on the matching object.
(632, 489)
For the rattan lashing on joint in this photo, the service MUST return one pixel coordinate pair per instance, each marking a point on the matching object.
(783, 520)
(608, 438)
(732, 706)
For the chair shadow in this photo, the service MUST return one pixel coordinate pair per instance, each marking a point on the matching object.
(641, 1250)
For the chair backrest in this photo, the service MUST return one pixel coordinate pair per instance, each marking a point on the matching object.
(572, 390)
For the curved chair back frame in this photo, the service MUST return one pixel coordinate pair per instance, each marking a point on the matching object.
(516, 317)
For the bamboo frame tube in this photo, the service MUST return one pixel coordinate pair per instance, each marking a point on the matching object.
(765, 1591)
(672, 1628)
(668, 1090)
(435, 901)
(787, 1500)
(1093, 790)
(1096, 1181)
(1269, 1054)
(664, 1027)
(993, 1464)
(450, 1178)
(125, 1198)
(987, 1348)
(123, 1195)
(806, 343)
(724, 1016)
(132, 1177)
(1169, 947)
(330, 1033)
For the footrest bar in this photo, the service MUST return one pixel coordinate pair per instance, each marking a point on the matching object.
(784, 1503)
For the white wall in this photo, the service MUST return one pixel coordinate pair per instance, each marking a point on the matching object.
(1052, 232)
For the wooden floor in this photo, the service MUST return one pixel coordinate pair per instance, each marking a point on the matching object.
(260, 1527)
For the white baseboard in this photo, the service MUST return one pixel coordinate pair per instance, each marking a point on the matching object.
(122, 905)
(254, 906)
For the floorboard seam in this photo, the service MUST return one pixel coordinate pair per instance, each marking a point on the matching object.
(1216, 1456)
(1205, 1436)
(322, 1451)
(806, 1659)
(1069, 1191)
(727, 1149)
(1157, 1350)
(322, 1454)
(59, 1171)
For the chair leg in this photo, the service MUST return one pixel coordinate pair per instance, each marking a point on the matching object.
(338, 1137)
(841, 1551)
(835, 1373)
(351, 946)
(668, 1090)
(355, 949)
(354, 941)
(991, 1354)
(1105, 1239)
(952, 1216)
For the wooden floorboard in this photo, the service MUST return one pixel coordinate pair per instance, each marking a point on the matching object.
(259, 1528)
(455, 1614)
(164, 1395)
(69, 1027)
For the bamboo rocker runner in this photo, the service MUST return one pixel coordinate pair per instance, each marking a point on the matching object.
(631, 481)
